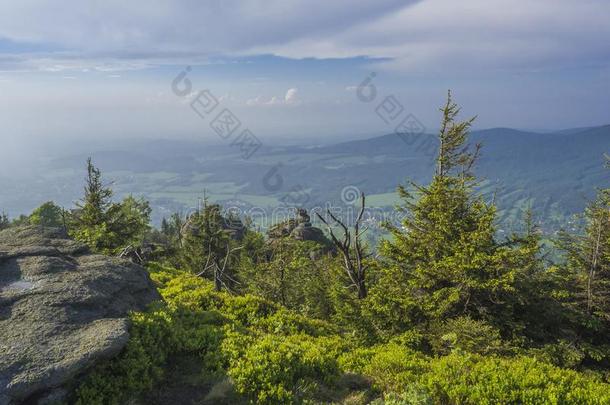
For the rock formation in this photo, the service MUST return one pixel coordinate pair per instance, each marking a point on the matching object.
(62, 310)
(299, 228)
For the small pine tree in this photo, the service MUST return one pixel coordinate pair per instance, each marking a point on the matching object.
(97, 199)
(21, 220)
(585, 291)
(171, 229)
(90, 220)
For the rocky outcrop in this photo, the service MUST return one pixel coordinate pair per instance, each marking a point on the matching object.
(299, 228)
(304, 230)
(62, 310)
(231, 224)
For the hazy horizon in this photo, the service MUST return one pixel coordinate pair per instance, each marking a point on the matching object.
(91, 77)
(92, 71)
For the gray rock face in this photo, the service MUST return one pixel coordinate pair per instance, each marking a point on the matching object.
(61, 310)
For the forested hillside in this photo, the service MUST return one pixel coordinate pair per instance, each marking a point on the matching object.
(447, 310)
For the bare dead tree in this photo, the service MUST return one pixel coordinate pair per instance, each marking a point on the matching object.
(219, 270)
(351, 249)
(132, 253)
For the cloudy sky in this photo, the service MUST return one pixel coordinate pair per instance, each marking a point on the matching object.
(291, 68)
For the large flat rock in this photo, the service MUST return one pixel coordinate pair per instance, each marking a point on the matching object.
(62, 309)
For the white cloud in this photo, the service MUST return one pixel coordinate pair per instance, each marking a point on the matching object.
(255, 101)
(292, 96)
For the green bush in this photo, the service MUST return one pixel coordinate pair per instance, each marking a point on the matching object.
(179, 326)
(273, 355)
(464, 334)
(286, 322)
(408, 377)
(277, 369)
(475, 379)
(561, 353)
(392, 366)
(413, 396)
(154, 336)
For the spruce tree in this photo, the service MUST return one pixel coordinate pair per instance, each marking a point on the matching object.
(444, 260)
(90, 220)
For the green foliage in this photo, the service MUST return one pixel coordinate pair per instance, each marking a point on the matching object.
(288, 275)
(130, 219)
(108, 227)
(278, 369)
(154, 336)
(464, 334)
(588, 259)
(474, 379)
(409, 377)
(48, 214)
(171, 228)
(92, 213)
(445, 261)
(413, 396)
(208, 248)
(273, 355)
(392, 367)
(585, 282)
(20, 220)
(562, 354)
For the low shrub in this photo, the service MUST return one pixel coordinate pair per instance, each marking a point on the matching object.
(278, 369)
(271, 355)
(475, 379)
(465, 334)
(155, 335)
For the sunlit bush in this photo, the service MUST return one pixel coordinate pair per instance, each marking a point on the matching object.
(277, 369)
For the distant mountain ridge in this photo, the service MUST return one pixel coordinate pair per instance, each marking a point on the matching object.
(553, 173)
